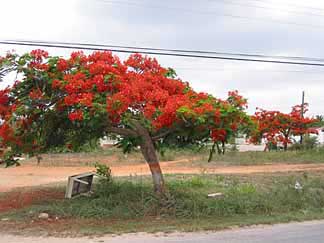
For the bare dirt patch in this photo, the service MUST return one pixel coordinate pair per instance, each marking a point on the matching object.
(31, 175)
(20, 199)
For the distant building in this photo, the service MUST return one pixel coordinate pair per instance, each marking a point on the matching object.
(320, 135)
(107, 142)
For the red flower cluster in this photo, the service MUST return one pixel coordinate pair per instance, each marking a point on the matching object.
(56, 84)
(218, 135)
(7, 135)
(38, 54)
(37, 62)
(277, 127)
(4, 99)
(76, 115)
(36, 94)
(100, 84)
(236, 100)
(62, 65)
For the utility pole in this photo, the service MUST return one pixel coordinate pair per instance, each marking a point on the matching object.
(302, 113)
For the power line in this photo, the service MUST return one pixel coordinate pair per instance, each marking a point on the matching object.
(267, 8)
(219, 57)
(210, 69)
(170, 50)
(133, 4)
(292, 5)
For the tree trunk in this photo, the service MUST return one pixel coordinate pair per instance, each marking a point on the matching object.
(219, 151)
(38, 158)
(223, 147)
(149, 153)
(211, 152)
(285, 146)
(285, 142)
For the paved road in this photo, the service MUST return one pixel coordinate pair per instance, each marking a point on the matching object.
(308, 232)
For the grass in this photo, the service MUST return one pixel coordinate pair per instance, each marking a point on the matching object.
(109, 156)
(128, 205)
(247, 158)
(259, 157)
(114, 156)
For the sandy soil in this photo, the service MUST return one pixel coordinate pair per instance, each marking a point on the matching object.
(31, 175)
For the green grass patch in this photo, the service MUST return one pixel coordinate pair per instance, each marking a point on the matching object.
(260, 157)
(115, 156)
(132, 199)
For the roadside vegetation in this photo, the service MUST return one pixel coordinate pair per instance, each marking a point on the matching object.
(195, 157)
(315, 155)
(128, 204)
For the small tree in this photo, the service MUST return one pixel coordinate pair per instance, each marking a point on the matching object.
(320, 120)
(277, 127)
(71, 101)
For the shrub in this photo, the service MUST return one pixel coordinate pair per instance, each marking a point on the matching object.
(309, 142)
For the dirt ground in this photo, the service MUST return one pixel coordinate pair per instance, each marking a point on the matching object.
(29, 175)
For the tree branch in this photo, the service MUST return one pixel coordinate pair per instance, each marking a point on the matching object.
(162, 135)
(122, 131)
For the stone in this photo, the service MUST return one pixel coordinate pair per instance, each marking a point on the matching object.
(215, 195)
(298, 186)
(43, 216)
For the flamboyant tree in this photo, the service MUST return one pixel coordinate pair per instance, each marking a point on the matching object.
(59, 101)
(277, 127)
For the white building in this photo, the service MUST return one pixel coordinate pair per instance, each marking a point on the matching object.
(107, 141)
(320, 135)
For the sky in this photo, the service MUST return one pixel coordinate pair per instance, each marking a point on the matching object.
(269, 27)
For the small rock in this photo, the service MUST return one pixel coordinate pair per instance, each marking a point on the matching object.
(5, 219)
(298, 186)
(43, 216)
(213, 195)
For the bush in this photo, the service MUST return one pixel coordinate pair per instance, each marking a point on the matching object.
(309, 142)
(104, 173)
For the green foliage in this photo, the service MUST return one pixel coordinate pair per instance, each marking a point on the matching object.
(9, 159)
(128, 144)
(104, 173)
(169, 152)
(188, 199)
(260, 157)
(320, 121)
(309, 143)
(171, 73)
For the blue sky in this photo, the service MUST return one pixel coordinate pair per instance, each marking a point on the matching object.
(271, 27)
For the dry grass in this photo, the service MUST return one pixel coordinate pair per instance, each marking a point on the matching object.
(114, 156)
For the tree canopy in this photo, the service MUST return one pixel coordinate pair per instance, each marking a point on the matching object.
(68, 101)
(278, 127)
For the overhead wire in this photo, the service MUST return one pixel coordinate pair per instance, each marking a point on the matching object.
(210, 69)
(290, 4)
(267, 8)
(316, 59)
(161, 53)
(209, 13)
